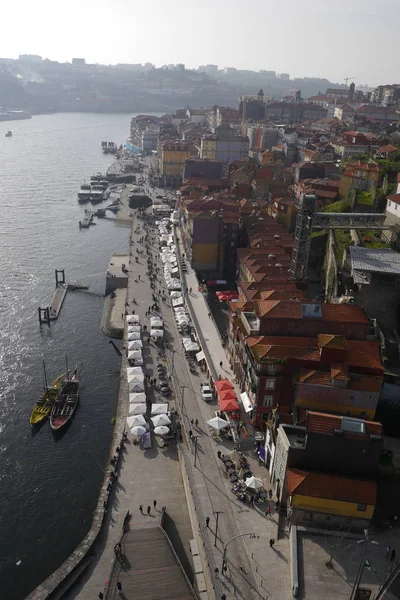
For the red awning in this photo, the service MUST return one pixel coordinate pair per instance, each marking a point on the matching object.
(227, 296)
(228, 405)
(227, 395)
(222, 385)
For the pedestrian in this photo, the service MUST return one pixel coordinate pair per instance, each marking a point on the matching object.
(101, 595)
(271, 542)
(242, 569)
(192, 422)
(220, 364)
(196, 422)
(207, 521)
(209, 315)
(155, 504)
(268, 511)
(270, 494)
(388, 551)
(148, 509)
(223, 597)
(190, 433)
(119, 587)
(141, 508)
(392, 555)
(224, 566)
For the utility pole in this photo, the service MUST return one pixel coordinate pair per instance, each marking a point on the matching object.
(195, 439)
(217, 512)
(182, 388)
(365, 541)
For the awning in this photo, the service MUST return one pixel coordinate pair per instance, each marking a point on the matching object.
(247, 405)
(223, 384)
(200, 356)
(229, 405)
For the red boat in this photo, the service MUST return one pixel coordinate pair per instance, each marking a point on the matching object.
(67, 401)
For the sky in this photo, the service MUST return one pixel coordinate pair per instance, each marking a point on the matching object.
(313, 38)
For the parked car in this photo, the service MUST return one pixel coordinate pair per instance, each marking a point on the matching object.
(206, 392)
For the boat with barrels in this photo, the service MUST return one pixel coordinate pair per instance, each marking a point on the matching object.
(67, 400)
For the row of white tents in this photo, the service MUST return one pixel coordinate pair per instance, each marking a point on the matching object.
(135, 344)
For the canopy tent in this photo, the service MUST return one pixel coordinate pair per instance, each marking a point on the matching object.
(229, 405)
(253, 483)
(134, 372)
(218, 423)
(177, 302)
(154, 322)
(247, 405)
(227, 295)
(157, 333)
(222, 385)
(162, 430)
(132, 319)
(175, 295)
(133, 335)
(137, 409)
(159, 420)
(200, 356)
(227, 395)
(139, 430)
(159, 409)
(135, 344)
(136, 420)
(136, 385)
(133, 328)
(235, 456)
(137, 398)
(135, 355)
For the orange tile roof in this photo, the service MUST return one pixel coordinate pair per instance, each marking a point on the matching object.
(340, 372)
(367, 383)
(290, 309)
(332, 487)
(326, 423)
(336, 342)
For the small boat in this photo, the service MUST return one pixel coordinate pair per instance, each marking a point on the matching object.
(96, 193)
(97, 177)
(46, 401)
(84, 192)
(67, 401)
(8, 134)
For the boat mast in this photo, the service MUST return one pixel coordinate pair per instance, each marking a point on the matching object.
(46, 387)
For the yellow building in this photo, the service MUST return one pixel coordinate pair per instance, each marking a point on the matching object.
(361, 175)
(325, 500)
(208, 147)
(173, 157)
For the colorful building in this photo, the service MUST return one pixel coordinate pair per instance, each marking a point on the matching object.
(173, 157)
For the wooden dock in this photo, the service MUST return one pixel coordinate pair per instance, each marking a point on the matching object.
(57, 301)
(87, 219)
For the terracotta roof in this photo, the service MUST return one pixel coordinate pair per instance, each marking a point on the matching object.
(367, 383)
(340, 372)
(336, 342)
(332, 487)
(278, 309)
(394, 198)
(326, 423)
(387, 148)
(362, 166)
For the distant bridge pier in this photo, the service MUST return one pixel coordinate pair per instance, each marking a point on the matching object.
(44, 315)
(60, 276)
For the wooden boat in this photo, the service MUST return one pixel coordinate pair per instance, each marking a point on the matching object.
(67, 401)
(44, 405)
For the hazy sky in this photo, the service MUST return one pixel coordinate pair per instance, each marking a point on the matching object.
(353, 38)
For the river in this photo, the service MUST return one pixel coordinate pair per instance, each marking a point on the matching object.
(49, 488)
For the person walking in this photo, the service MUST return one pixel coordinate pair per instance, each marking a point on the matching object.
(196, 422)
(141, 508)
(388, 551)
(268, 511)
(192, 422)
(155, 504)
(220, 364)
(190, 433)
(207, 521)
(101, 595)
(119, 587)
(392, 555)
(149, 509)
(271, 542)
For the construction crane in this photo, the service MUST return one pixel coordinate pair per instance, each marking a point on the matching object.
(346, 79)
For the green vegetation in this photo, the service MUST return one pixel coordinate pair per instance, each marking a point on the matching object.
(340, 206)
(372, 239)
(343, 240)
(364, 198)
(318, 233)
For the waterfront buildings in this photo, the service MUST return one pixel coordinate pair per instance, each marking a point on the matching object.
(172, 161)
(145, 130)
(225, 144)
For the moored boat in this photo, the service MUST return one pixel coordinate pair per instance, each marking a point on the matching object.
(67, 401)
(8, 134)
(84, 192)
(43, 406)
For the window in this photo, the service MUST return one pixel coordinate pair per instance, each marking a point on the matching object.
(270, 384)
(268, 400)
(362, 507)
(272, 368)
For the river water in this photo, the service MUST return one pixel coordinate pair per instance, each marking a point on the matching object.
(49, 488)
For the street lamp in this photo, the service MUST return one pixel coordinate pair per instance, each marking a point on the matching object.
(361, 566)
(217, 512)
(251, 536)
(182, 388)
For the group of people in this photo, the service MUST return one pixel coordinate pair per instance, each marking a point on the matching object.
(113, 475)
